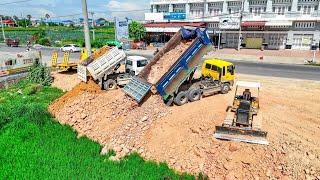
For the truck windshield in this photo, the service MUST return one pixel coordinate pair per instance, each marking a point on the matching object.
(231, 69)
(142, 63)
(129, 62)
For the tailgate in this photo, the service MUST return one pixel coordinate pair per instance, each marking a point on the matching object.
(82, 73)
(106, 63)
(137, 88)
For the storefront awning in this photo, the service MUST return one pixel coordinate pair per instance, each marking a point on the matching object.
(253, 24)
(279, 23)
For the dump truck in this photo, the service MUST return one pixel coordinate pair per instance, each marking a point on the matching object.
(179, 84)
(106, 69)
(242, 122)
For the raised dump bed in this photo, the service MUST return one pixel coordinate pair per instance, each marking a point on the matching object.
(194, 44)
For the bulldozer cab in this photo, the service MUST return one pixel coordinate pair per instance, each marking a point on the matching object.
(247, 91)
(218, 69)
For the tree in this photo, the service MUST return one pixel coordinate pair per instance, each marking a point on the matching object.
(136, 30)
(29, 17)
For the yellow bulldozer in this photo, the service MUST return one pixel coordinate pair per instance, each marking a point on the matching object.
(241, 122)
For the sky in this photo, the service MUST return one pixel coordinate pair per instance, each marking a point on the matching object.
(63, 8)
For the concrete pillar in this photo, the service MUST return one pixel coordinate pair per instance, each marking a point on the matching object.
(225, 7)
(319, 8)
(294, 6)
(269, 6)
(206, 9)
(170, 7)
(246, 6)
(187, 10)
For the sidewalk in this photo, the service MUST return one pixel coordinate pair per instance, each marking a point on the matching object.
(266, 56)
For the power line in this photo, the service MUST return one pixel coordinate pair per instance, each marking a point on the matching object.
(15, 2)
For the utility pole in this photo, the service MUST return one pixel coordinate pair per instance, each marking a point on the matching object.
(240, 22)
(86, 26)
(93, 30)
(4, 36)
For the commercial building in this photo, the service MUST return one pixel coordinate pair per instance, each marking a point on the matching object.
(275, 24)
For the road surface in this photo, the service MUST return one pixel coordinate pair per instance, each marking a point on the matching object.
(253, 68)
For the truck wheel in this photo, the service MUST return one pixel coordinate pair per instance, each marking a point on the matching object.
(194, 95)
(110, 84)
(225, 88)
(181, 98)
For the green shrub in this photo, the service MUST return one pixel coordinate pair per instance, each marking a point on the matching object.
(44, 41)
(40, 74)
(32, 89)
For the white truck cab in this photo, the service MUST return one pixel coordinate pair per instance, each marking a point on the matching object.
(135, 64)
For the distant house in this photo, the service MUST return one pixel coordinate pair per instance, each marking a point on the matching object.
(101, 22)
(8, 23)
(67, 23)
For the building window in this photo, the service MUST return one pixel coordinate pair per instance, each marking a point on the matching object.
(289, 8)
(316, 8)
(299, 8)
(273, 9)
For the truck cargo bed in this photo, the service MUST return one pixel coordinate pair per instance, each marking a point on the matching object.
(182, 68)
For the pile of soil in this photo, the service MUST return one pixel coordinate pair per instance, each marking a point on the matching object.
(65, 80)
(70, 96)
(110, 118)
(166, 61)
(183, 136)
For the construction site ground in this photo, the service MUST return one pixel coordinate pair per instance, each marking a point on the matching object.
(183, 136)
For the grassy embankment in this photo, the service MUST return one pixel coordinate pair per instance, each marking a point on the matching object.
(34, 146)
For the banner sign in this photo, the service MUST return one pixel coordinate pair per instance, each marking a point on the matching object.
(122, 29)
(229, 23)
(174, 16)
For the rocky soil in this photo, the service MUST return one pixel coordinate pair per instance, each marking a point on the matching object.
(183, 136)
(166, 61)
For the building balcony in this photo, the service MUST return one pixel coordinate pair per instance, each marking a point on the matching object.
(286, 16)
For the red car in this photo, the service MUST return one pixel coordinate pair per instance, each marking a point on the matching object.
(12, 42)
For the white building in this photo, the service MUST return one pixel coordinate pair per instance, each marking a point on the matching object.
(277, 24)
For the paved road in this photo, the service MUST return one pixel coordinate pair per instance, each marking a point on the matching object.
(253, 68)
(275, 70)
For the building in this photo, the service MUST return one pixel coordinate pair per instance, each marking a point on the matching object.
(8, 23)
(275, 24)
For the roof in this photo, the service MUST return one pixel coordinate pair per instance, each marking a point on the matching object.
(136, 58)
(248, 84)
(175, 24)
(218, 62)
(279, 23)
(253, 23)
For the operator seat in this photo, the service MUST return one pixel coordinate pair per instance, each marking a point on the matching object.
(246, 95)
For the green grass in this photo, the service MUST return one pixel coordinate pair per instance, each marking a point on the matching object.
(34, 146)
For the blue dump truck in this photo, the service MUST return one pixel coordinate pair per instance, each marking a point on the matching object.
(177, 84)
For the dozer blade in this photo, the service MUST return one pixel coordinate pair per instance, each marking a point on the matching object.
(241, 134)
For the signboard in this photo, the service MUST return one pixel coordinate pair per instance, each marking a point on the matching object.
(122, 29)
(229, 23)
(174, 16)
(153, 16)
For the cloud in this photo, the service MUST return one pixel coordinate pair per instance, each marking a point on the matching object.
(127, 9)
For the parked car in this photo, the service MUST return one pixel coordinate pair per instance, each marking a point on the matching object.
(71, 48)
(12, 42)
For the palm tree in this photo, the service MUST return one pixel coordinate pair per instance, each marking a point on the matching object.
(29, 17)
(47, 16)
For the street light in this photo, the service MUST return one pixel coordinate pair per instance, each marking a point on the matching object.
(240, 21)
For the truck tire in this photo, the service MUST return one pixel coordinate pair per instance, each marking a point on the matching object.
(225, 88)
(194, 95)
(110, 84)
(181, 98)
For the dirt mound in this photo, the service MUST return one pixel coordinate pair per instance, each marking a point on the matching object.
(183, 136)
(82, 87)
(166, 61)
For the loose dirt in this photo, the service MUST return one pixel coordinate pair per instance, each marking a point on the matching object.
(66, 80)
(166, 61)
(183, 136)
